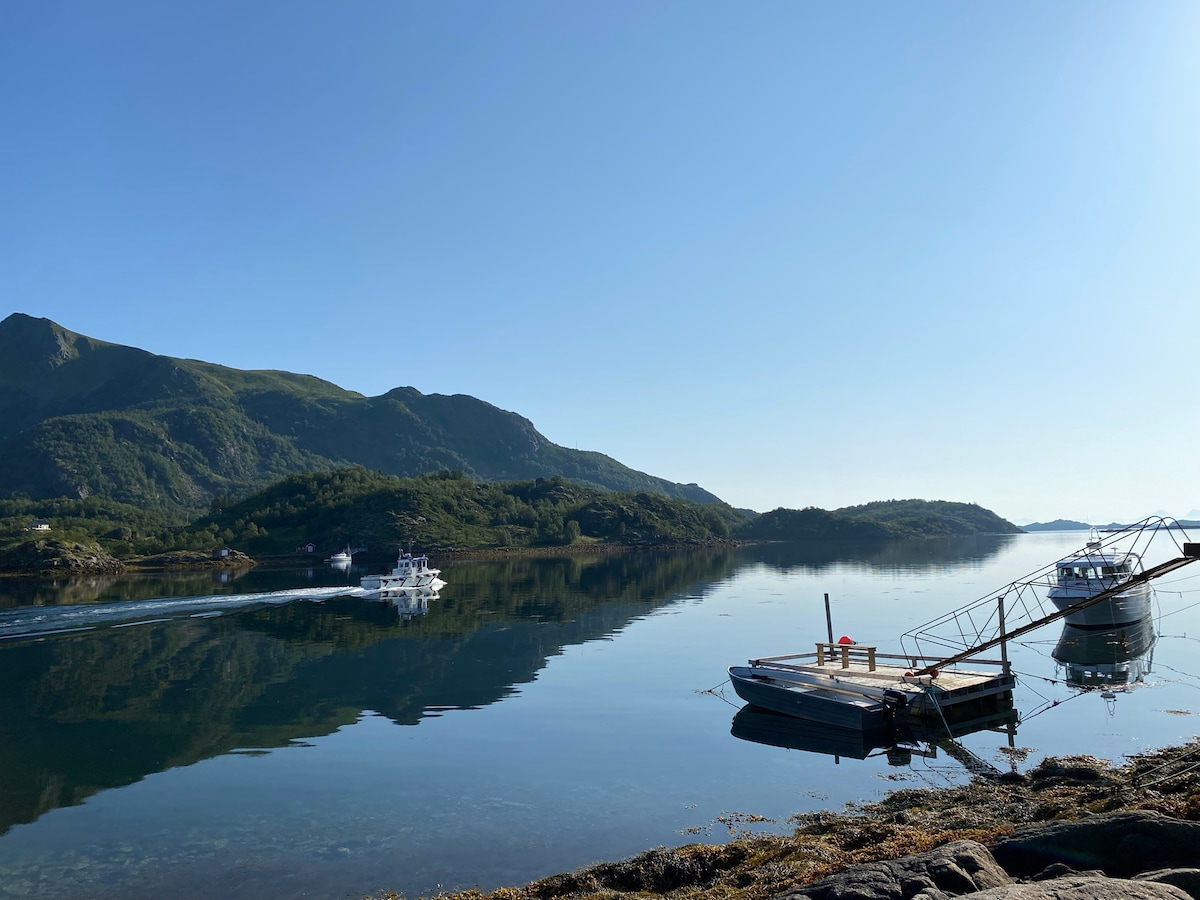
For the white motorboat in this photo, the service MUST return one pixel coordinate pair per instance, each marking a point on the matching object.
(342, 557)
(1091, 570)
(409, 572)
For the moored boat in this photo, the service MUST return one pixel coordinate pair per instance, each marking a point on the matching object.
(409, 572)
(1091, 570)
(783, 692)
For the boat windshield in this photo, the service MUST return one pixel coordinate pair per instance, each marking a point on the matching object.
(1075, 573)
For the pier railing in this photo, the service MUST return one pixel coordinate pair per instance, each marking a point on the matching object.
(1021, 607)
(847, 655)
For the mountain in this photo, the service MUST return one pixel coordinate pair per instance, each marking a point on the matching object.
(79, 416)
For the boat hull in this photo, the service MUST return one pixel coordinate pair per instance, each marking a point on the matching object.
(759, 687)
(407, 583)
(1130, 606)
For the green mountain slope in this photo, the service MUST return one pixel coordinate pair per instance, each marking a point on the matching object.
(358, 507)
(930, 518)
(80, 416)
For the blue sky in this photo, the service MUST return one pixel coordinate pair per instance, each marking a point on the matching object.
(799, 253)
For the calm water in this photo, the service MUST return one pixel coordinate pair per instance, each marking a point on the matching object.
(271, 736)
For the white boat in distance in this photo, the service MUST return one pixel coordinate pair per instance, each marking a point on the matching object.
(1091, 570)
(410, 572)
(342, 557)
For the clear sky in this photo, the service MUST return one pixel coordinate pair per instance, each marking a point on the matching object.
(799, 253)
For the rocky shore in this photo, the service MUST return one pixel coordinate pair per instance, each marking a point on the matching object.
(1072, 827)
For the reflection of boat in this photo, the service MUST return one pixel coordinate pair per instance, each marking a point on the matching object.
(901, 742)
(1091, 570)
(409, 572)
(775, 729)
(409, 602)
(1094, 657)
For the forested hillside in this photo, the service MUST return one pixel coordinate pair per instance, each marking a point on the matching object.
(882, 519)
(359, 508)
(81, 417)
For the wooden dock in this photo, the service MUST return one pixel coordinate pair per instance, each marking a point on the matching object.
(947, 696)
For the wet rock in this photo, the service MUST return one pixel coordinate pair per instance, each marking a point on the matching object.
(960, 867)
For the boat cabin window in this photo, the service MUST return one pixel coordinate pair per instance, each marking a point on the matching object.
(1067, 573)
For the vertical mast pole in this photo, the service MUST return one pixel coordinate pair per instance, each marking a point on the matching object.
(1003, 641)
(828, 620)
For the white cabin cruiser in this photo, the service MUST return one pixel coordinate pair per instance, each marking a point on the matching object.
(410, 572)
(1091, 570)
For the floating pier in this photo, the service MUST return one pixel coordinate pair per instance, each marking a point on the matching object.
(845, 684)
(951, 697)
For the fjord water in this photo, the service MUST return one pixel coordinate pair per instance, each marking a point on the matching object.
(278, 735)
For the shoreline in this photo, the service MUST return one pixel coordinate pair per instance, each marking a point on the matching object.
(1078, 789)
(195, 561)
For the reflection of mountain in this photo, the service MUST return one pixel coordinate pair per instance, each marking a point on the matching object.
(85, 712)
(104, 588)
(929, 554)
(1104, 657)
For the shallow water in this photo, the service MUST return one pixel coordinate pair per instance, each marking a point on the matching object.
(273, 736)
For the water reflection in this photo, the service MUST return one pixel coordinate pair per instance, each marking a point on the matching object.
(408, 602)
(899, 744)
(91, 710)
(928, 554)
(1102, 658)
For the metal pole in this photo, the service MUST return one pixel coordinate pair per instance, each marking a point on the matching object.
(1003, 640)
(828, 620)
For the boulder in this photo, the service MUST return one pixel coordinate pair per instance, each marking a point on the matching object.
(960, 867)
(1120, 844)
(1187, 880)
(1083, 887)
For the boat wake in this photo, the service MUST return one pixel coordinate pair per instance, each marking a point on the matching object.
(42, 621)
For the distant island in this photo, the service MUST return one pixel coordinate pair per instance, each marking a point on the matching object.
(1057, 525)
(1070, 525)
